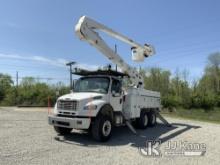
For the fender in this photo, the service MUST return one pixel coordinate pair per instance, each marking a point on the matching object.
(94, 112)
(107, 109)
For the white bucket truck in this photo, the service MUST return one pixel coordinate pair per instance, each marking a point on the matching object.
(99, 100)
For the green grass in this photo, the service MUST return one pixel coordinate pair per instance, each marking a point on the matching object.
(195, 114)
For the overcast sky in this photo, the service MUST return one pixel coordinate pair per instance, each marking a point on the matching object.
(37, 36)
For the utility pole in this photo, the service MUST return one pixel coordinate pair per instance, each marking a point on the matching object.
(116, 67)
(16, 89)
(70, 65)
(17, 79)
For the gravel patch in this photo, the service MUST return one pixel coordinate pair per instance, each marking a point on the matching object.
(26, 138)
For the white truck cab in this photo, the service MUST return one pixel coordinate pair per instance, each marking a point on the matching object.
(89, 95)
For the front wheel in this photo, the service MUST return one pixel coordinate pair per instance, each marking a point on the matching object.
(102, 128)
(62, 130)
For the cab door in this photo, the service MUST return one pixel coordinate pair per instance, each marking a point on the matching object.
(116, 95)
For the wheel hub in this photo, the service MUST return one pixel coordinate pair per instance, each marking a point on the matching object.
(145, 119)
(153, 119)
(106, 129)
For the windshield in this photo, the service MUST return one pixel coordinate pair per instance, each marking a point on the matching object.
(92, 84)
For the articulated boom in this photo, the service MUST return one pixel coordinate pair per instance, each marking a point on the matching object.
(85, 29)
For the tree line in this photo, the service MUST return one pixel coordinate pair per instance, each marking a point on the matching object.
(30, 92)
(176, 90)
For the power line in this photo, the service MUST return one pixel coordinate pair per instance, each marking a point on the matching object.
(175, 57)
(36, 67)
(184, 51)
(38, 78)
(184, 47)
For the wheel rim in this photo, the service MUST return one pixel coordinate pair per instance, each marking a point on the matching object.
(145, 119)
(106, 129)
(153, 119)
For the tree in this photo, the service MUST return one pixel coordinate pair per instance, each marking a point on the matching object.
(5, 85)
(157, 79)
(207, 92)
(214, 59)
(212, 71)
(31, 92)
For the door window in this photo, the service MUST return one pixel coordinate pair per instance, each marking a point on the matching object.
(116, 86)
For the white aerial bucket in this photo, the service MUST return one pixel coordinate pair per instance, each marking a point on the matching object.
(138, 54)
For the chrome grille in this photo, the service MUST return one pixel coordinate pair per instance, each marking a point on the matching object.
(67, 105)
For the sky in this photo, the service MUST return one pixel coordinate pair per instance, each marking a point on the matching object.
(37, 36)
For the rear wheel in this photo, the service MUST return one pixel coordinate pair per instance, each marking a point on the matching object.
(102, 128)
(143, 121)
(62, 130)
(152, 118)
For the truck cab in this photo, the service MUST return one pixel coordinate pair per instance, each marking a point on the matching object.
(98, 94)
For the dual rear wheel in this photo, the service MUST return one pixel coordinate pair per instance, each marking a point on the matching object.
(102, 126)
(147, 118)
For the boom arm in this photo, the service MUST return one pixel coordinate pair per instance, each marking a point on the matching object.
(85, 30)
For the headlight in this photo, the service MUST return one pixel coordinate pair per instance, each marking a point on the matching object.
(90, 107)
(97, 97)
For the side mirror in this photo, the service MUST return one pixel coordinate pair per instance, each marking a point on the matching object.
(73, 84)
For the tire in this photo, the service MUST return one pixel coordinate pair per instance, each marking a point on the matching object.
(143, 121)
(152, 118)
(102, 128)
(62, 130)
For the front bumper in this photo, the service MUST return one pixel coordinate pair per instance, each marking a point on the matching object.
(76, 123)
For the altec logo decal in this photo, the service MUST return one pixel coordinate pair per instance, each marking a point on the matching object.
(173, 148)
